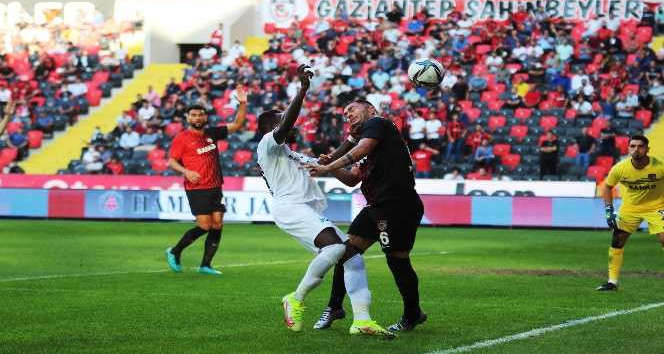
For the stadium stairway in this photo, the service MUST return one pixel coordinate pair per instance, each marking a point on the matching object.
(66, 147)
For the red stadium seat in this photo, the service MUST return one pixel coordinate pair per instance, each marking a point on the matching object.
(571, 150)
(600, 123)
(172, 129)
(8, 154)
(94, 97)
(570, 113)
(497, 88)
(522, 113)
(35, 138)
(501, 149)
(482, 49)
(496, 121)
(464, 104)
(532, 98)
(519, 131)
(545, 105)
(644, 34)
(622, 143)
(520, 77)
(242, 156)
(594, 131)
(548, 122)
(604, 161)
(160, 165)
(511, 161)
(222, 145)
(489, 96)
(631, 88)
(596, 172)
(13, 127)
(644, 116)
(496, 105)
(100, 77)
(156, 154)
(480, 70)
(513, 67)
(473, 114)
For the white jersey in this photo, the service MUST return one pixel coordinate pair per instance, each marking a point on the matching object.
(287, 181)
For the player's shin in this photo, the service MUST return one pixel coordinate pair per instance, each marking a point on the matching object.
(407, 282)
(211, 246)
(187, 239)
(328, 257)
(615, 263)
(338, 291)
(355, 280)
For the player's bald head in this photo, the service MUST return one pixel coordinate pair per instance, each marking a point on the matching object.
(268, 120)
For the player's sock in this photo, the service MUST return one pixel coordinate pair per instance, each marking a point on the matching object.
(187, 239)
(407, 282)
(328, 256)
(338, 288)
(355, 279)
(615, 263)
(211, 246)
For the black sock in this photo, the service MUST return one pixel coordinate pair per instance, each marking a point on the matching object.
(338, 288)
(187, 239)
(406, 279)
(211, 245)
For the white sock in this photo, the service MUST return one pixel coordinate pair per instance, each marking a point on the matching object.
(357, 286)
(328, 257)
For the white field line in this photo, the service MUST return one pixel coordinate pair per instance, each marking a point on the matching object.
(232, 265)
(543, 330)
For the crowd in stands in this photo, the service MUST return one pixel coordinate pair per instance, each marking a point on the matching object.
(528, 98)
(52, 73)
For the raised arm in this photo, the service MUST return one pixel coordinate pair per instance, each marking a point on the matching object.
(241, 115)
(362, 149)
(345, 147)
(293, 111)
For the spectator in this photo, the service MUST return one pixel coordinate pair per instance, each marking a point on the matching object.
(152, 97)
(583, 108)
(422, 159)
(475, 138)
(548, 155)
(416, 131)
(146, 112)
(129, 139)
(433, 127)
(484, 156)
(45, 123)
(207, 53)
(456, 133)
(92, 160)
(78, 88)
(97, 136)
(151, 137)
(481, 175)
(114, 166)
(585, 145)
(19, 140)
(455, 175)
(217, 38)
(607, 143)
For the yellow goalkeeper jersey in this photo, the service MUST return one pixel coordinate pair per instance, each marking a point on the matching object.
(642, 190)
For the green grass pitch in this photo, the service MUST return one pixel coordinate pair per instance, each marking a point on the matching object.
(103, 287)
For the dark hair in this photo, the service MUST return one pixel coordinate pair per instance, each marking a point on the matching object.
(640, 138)
(195, 107)
(267, 119)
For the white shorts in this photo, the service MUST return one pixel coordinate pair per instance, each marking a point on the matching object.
(302, 222)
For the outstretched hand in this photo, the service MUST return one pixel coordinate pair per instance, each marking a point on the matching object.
(305, 73)
(316, 170)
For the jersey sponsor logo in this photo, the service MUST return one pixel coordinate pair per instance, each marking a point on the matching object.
(642, 187)
(206, 149)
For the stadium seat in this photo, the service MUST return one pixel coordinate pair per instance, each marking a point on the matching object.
(465, 104)
(94, 97)
(496, 121)
(156, 154)
(644, 34)
(632, 88)
(532, 98)
(519, 131)
(545, 105)
(600, 123)
(622, 143)
(172, 129)
(489, 96)
(522, 113)
(570, 113)
(8, 154)
(501, 149)
(571, 150)
(241, 157)
(35, 138)
(159, 165)
(548, 122)
(495, 105)
(13, 127)
(645, 116)
(604, 161)
(511, 161)
(473, 114)
(596, 172)
(222, 145)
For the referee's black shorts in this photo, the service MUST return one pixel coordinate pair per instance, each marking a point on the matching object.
(394, 224)
(205, 201)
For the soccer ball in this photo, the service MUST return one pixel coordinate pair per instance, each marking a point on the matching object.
(425, 72)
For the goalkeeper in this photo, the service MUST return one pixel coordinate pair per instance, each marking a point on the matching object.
(642, 188)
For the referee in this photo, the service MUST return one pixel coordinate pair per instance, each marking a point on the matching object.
(194, 154)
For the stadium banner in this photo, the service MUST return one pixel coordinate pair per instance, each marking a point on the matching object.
(115, 204)
(469, 187)
(123, 182)
(24, 202)
(282, 13)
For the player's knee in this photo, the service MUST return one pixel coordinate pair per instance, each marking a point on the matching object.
(351, 251)
(619, 238)
(205, 225)
(397, 254)
(333, 252)
(327, 237)
(217, 225)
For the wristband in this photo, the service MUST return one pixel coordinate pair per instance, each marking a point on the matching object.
(352, 140)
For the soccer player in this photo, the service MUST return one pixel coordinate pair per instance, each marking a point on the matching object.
(394, 209)
(642, 180)
(297, 206)
(194, 154)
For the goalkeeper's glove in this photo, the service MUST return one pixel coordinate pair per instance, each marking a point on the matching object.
(611, 217)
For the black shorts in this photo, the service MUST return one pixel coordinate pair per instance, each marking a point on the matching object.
(205, 201)
(393, 224)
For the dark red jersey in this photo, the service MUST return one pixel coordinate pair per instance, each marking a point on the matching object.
(198, 152)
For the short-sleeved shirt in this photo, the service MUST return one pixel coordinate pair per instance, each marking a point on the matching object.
(284, 176)
(550, 143)
(641, 190)
(389, 170)
(198, 152)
